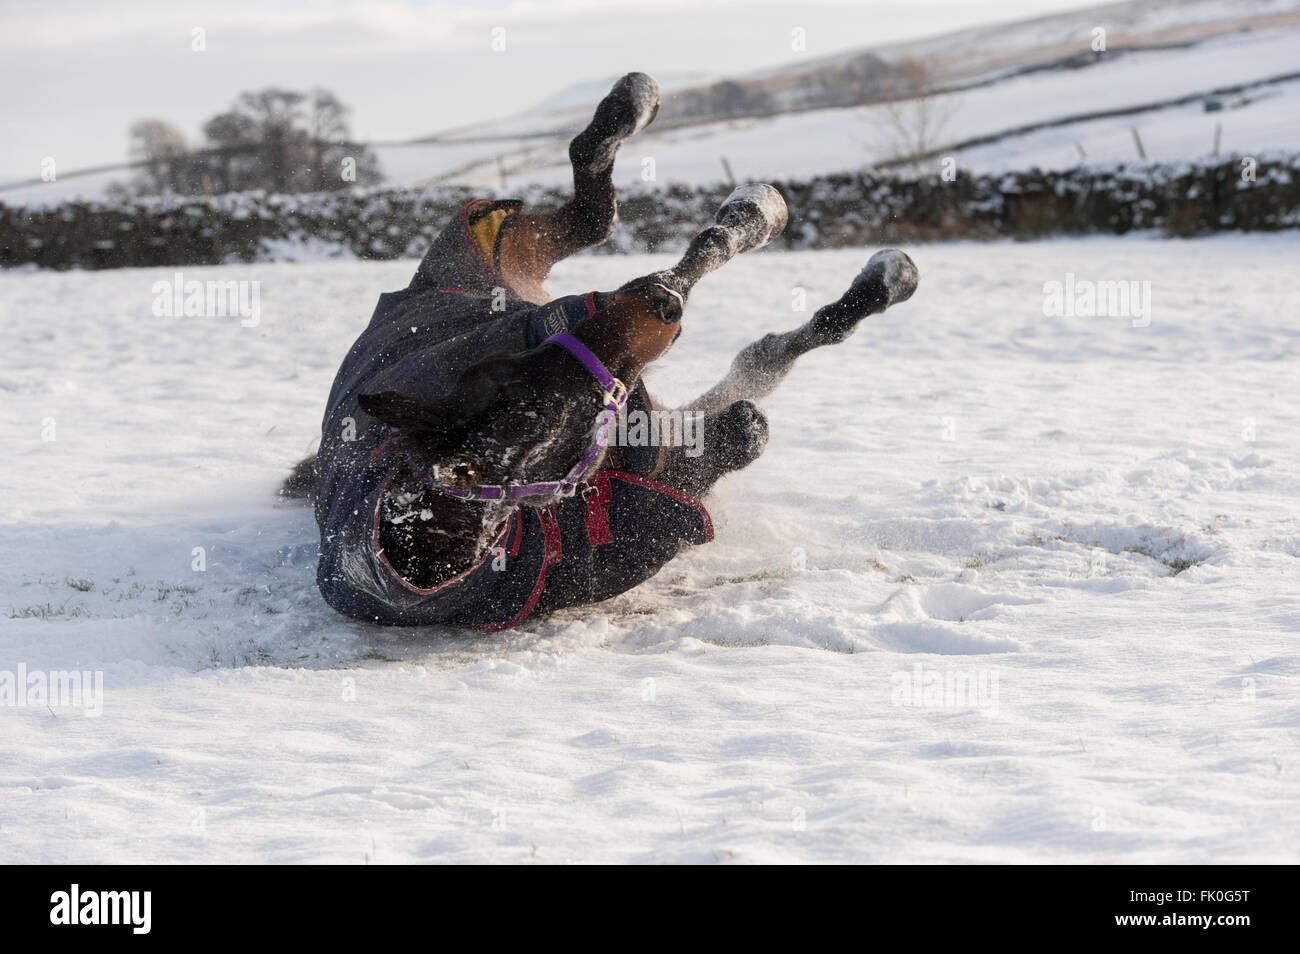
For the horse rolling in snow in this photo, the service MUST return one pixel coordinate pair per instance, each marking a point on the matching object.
(465, 474)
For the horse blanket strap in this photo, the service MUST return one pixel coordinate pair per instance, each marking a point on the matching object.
(572, 552)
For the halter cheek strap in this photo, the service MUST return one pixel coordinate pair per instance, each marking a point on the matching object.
(615, 396)
(615, 391)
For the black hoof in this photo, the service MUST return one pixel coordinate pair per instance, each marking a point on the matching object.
(756, 212)
(741, 433)
(890, 276)
(629, 107)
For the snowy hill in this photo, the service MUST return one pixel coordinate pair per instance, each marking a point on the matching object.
(1007, 76)
(1163, 58)
(586, 94)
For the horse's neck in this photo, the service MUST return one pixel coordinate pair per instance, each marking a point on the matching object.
(430, 537)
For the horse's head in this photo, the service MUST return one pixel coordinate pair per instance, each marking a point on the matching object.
(511, 419)
(533, 417)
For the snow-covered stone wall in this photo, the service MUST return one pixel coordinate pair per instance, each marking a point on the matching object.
(1229, 193)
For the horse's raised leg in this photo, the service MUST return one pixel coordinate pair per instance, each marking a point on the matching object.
(643, 318)
(889, 277)
(734, 428)
(749, 218)
(533, 242)
(730, 439)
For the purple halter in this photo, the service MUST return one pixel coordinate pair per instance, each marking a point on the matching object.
(615, 394)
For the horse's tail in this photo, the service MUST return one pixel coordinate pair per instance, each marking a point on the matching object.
(301, 482)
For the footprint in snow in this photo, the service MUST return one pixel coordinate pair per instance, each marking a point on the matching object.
(921, 620)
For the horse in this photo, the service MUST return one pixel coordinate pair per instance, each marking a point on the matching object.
(467, 473)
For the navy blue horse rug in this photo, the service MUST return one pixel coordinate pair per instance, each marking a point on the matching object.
(617, 531)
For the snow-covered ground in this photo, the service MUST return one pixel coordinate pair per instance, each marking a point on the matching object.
(1092, 525)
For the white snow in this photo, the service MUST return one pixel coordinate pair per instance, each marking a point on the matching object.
(818, 142)
(964, 486)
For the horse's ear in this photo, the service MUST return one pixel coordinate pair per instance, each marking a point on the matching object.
(397, 408)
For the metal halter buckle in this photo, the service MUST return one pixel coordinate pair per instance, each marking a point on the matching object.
(617, 394)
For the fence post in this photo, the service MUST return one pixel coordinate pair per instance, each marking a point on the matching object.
(1138, 139)
(726, 167)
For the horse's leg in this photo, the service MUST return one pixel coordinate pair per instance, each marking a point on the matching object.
(889, 277)
(532, 242)
(643, 317)
(732, 431)
(726, 440)
(749, 218)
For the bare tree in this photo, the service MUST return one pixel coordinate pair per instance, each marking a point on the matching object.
(233, 142)
(916, 116)
(278, 115)
(327, 119)
(166, 158)
(276, 139)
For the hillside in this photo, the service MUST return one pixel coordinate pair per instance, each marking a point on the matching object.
(1018, 95)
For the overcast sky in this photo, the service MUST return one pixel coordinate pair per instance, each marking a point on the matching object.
(76, 73)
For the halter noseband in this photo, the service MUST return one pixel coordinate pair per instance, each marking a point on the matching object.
(615, 395)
